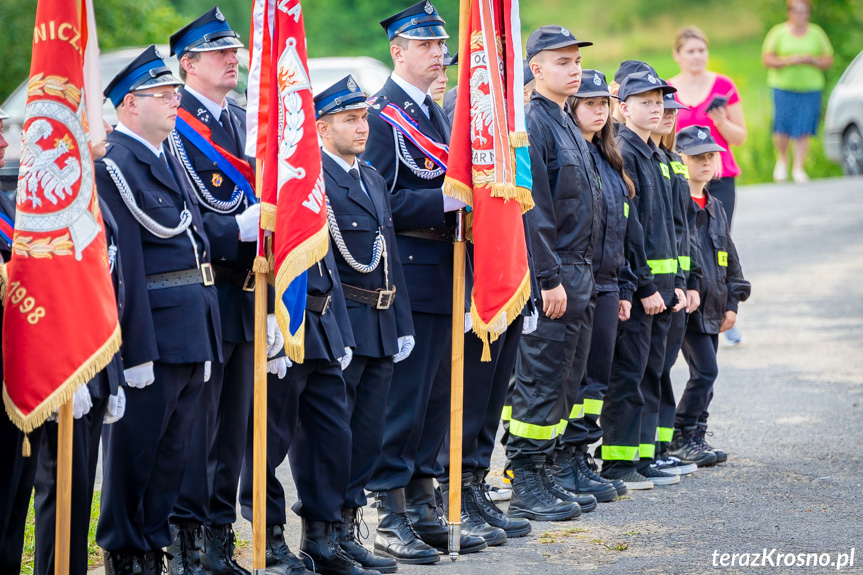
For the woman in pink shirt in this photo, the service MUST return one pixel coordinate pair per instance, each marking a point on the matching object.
(696, 88)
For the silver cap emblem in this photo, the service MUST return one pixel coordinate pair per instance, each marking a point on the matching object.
(565, 32)
(219, 16)
(651, 79)
(352, 86)
(702, 135)
(158, 54)
(596, 80)
(429, 9)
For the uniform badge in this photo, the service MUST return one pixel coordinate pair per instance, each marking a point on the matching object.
(219, 16)
(429, 164)
(651, 79)
(702, 135)
(429, 9)
(565, 32)
(352, 86)
(217, 180)
(596, 80)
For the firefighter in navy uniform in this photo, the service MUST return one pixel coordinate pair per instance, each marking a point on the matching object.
(208, 146)
(170, 322)
(367, 256)
(418, 406)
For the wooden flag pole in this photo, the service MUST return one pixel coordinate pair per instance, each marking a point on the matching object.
(63, 524)
(259, 447)
(457, 377)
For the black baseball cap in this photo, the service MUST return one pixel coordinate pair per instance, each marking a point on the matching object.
(552, 38)
(640, 83)
(668, 101)
(695, 139)
(593, 85)
(628, 67)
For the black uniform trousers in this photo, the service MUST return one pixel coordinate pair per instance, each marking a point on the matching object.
(144, 459)
(667, 404)
(599, 360)
(418, 407)
(699, 351)
(651, 387)
(307, 418)
(16, 486)
(209, 491)
(575, 433)
(368, 386)
(85, 456)
(541, 403)
(485, 388)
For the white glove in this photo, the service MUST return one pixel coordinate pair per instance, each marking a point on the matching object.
(345, 360)
(116, 407)
(140, 376)
(529, 325)
(208, 370)
(468, 322)
(279, 366)
(81, 402)
(249, 223)
(275, 339)
(451, 204)
(406, 345)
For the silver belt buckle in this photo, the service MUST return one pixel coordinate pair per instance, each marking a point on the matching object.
(385, 299)
(207, 274)
(326, 304)
(249, 284)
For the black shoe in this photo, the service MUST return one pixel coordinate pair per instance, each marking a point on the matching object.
(218, 551)
(586, 502)
(348, 535)
(323, 554)
(684, 447)
(427, 518)
(513, 527)
(186, 555)
(658, 477)
(531, 499)
(472, 522)
(119, 563)
(569, 475)
(396, 537)
(280, 560)
(700, 432)
(632, 479)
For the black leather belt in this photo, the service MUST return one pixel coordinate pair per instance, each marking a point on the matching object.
(379, 298)
(438, 235)
(202, 275)
(240, 278)
(318, 303)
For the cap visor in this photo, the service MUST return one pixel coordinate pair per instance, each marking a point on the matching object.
(646, 89)
(163, 80)
(595, 94)
(218, 44)
(701, 149)
(426, 33)
(673, 105)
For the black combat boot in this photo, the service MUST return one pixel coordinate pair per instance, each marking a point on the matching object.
(472, 523)
(569, 476)
(119, 563)
(531, 499)
(587, 503)
(721, 456)
(427, 518)
(280, 560)
(347, 533)
(186, 558)
(322, 553)
(684, 447)
(588, 467)
(218, 555)
(513, 527)
(395, 535)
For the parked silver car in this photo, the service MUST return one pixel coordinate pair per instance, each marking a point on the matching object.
(843, 122)
(370, 74)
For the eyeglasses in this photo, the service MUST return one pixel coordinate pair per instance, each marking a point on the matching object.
(164, 98)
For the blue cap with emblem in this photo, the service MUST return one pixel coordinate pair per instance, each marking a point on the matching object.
(628, 67)
(641, 83)
(146, 71)
(342, 96)
(419, 22)
(593, 85)
(552, 38)
(694, 140)
(208, 33)
(668, 101)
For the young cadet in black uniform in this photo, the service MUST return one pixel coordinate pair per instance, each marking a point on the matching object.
(721, 286)
(207, 51)
(629, 432)
(418, 406)
(620, 235)
(170, 322)
(564, 225)
(367, 256)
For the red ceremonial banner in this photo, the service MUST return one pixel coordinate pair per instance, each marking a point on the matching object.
(60, 323)
(482, 170)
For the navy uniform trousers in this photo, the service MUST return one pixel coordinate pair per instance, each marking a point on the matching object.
(699, 351)
(16, 486)
(667, 404)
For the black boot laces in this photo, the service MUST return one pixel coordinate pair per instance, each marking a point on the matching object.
(484, 501)
(359, 530)
(535, 485)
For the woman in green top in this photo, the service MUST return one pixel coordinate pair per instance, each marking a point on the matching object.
(796, 53)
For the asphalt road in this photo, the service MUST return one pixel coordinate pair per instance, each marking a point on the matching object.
(788, 408)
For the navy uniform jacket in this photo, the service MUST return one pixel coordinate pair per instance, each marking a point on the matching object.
(359, 217)
(417, 204)
(329, 334)
(721, 285)
(108, 380)
(172, 325)
(687, 253)
(237, 306)
(653, 202)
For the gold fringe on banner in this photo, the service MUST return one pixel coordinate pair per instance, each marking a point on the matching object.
(268, 216)
(505, 190)
(458, 190)
(518, 140)
(261, 266)
(525, 198)
(302, 258)
(489, 332)
(66, 390)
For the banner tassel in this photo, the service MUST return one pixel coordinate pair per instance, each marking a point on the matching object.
(260, 265)
(518, 139)
(486, 349)
(25, 447)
